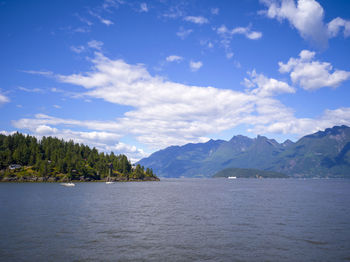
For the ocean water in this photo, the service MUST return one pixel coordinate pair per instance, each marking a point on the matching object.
(177, 220)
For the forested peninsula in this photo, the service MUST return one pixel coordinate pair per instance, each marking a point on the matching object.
(24, 158)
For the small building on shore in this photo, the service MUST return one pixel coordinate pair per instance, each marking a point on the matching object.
(14, 166)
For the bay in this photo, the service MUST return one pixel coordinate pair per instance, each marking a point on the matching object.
(177, 220)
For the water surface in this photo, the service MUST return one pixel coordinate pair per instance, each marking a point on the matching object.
(177, 220)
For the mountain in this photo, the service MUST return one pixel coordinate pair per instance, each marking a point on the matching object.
(325, 154)
(322, 154)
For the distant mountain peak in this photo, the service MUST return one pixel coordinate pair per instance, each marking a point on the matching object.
(328, 131)
(287, 143)
(324, 153)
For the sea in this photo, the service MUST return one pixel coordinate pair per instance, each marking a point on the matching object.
(177, 220)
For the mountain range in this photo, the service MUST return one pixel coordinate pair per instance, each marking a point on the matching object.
(322, 154)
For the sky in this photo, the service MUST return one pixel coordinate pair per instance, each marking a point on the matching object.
(134, 77)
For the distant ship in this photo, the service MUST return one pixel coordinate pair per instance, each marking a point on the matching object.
(232, 177)
(69, 184)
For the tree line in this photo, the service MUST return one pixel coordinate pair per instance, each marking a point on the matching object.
(51, 156)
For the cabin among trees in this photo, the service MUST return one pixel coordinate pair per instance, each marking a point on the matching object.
(26, 156)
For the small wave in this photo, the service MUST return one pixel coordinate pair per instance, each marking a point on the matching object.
(314, 242)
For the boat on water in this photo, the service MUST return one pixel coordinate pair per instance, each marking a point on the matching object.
(68, 184)
(232, 177)
(108, 179)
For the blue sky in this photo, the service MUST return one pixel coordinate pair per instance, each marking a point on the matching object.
(137, 76)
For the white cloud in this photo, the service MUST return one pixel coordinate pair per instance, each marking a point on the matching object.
(35, 72)
(3, 99)
(109, 4)
(134, 153)
(304, 126)
(196, 19)
(79, 30)
(143, 7)
(336, 24)
(266, 87)
(183, 33)
(43, 127)
(77, 49)
(34, 90)
(84, 20)
(168, 113)
(107, 22)
(206, 43)
(57, 106)
(227, 35)
(95, 44)
(311, 74)
(307, 17)
(214, 11)
(103, 141)
(7, 133)
(246, 31)
(174, 58)
(175, 11)
(195, 66)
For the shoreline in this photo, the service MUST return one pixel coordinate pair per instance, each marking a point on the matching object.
(54, 180)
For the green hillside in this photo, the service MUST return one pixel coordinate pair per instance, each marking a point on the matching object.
(25, 158)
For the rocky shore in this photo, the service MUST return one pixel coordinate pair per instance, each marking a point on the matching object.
(35, 179)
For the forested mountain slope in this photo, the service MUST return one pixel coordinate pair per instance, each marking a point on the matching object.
(322, 154)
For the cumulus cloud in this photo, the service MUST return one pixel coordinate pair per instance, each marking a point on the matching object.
(41, 126)
(7, 133)
(134, 153)
(174, 58)
(168, 113)
(311, 74)
(196, 19)
(336, 25)
(266, 86)
(307, 16)
(303, 126)
(195, 66)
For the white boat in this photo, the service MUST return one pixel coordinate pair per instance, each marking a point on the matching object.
(232, 177)
(69, 184)
(109, 182)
